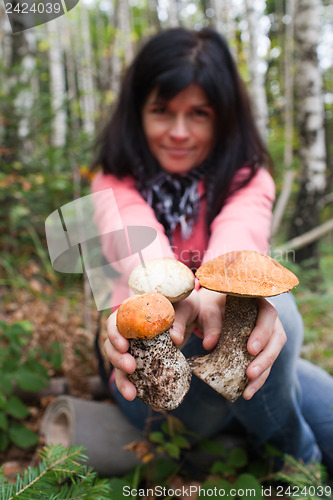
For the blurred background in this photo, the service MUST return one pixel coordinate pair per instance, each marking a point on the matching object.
(57, 85)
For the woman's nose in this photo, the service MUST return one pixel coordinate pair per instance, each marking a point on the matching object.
(179, 128)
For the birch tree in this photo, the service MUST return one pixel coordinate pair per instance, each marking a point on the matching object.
(289, 82)
(25, 98)
(70, 70)
(153, 19)
(5, 61)
(312, 151)
(173, 15)
(122, 50)
(86, 70)
(223, 20)
(257, 75)
(57, 82)
(288, 72)
(18, 49)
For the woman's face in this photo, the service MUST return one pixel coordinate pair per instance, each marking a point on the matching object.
(180, 132)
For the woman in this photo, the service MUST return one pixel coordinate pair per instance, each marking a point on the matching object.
(183, 156)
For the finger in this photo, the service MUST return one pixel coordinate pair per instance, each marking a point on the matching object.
(254, 385)
(268, 355)
(121, 361)
(264, 328)
(186, 312)
(116, 339)
(212, 306)
(211, 321)
(125, 387)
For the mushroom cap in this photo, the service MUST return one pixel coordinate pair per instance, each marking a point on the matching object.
(171, 278)
(145, 316)
(247, 273)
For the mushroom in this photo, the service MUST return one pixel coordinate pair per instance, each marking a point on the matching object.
(171, 278)
(162, 376)
(243, 276)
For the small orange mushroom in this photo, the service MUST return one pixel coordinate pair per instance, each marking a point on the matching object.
(162, 376)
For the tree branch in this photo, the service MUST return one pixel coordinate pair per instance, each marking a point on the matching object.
(306, 238)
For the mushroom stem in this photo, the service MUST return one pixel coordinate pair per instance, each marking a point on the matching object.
(162, 376)
(224, 368)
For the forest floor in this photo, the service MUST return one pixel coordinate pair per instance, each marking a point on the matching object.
(56, 318)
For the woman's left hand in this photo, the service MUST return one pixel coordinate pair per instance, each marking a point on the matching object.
(265, 342)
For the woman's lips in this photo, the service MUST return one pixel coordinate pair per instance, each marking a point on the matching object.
(177, 151)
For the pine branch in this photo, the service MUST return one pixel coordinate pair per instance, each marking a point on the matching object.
(59, 476)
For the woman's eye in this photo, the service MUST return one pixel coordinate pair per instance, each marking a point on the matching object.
(201, 113)
(159, 110)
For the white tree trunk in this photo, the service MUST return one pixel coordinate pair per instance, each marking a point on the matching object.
(103, 44)
(219, 19)
(85, 71)
(173, 18)
(289, 83)
(57, 82)
(5, 38)
(122, 50)
(312, 149)
(310, 95)
(25, 99)
(257, 75)
(288, 71)
(5, 57)
(224, 20)
(70, 67)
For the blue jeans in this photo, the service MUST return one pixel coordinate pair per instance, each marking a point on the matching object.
(293, 411)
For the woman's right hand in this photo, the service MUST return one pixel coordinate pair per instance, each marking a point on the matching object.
(116, 347)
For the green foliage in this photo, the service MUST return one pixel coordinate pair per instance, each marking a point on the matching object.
(171, 439)
(230, 474)
(313, 297)
(305, 481)
(36, 177)
(59, 475)
(20, 367)
(233, 472)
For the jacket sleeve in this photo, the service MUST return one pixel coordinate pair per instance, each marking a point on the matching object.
(244, 222)
(128, 228)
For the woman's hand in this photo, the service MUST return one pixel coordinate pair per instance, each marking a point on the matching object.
(116, 346)
(265, 341)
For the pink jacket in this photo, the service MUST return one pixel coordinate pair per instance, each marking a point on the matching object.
(243, 224)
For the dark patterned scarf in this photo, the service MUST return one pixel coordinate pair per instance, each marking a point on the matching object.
(175, 199)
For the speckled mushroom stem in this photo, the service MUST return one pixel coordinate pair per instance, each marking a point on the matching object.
(162, 376)
(224, 368)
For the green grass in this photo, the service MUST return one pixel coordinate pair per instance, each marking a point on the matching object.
(314, 297)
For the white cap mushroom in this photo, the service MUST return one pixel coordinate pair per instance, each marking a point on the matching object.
(171, 278)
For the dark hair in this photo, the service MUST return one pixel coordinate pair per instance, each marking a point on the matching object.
(170, 61)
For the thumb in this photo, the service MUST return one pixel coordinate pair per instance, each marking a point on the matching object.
(211, 336)
(211, 324)
(186, 313)
(177, 332)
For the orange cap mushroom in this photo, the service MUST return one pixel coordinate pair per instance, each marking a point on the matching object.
(243, 276)
(162, 376)
(145, 316)
(246, 273)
